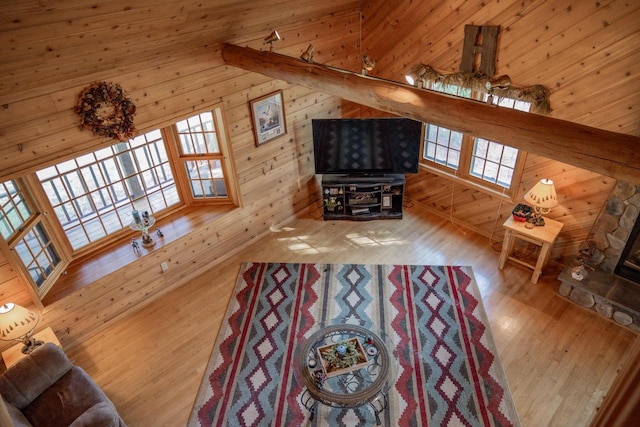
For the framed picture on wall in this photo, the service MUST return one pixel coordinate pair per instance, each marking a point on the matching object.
(267, 113)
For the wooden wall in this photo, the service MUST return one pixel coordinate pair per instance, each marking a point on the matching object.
(276, 180)
(165, 53)
(586, 53)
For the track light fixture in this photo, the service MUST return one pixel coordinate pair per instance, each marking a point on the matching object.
(273, 37)
(416, 73)
(307, 55)
(368, 64)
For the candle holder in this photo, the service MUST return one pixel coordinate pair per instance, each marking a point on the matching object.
(143, 224)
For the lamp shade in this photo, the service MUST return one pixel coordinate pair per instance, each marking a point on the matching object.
(16, 322)
(542, 196)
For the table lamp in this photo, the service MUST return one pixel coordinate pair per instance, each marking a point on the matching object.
(18, 324)
(542, 196)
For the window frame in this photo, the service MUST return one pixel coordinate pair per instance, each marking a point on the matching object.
(178, 160)
(124, 185)
(169, 137)
(37, 219)
(463, 173)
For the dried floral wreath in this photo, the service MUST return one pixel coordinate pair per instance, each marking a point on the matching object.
(106, 110)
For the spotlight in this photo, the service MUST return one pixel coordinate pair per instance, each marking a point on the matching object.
(273, 37)
(501, 82)
(416, 74)
(368, 64)
(307, 55)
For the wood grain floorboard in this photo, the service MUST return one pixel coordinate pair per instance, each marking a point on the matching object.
(560, 359)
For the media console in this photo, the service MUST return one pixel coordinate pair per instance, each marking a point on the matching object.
(362, 198)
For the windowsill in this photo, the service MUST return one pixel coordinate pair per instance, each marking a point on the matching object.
(467, 183)
(86, 270)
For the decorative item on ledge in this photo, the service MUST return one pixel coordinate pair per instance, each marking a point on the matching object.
(135, 245)
(368, 64)
(143, 222)
(107, 110)
(537, 95)
(579, 273)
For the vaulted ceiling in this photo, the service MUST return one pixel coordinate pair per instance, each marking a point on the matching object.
(75, 38)
(587, 53)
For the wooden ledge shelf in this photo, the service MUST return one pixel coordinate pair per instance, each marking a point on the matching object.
(86, 270)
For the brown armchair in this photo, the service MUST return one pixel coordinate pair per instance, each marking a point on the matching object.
(45, 389)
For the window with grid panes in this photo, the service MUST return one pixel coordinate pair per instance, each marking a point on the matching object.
(442, 145)
(24, 232)
(200, 153)
(93, 195)
(494, 162)
(489, 163)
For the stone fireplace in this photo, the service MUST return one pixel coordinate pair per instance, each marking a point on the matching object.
(610, 284)
(629, 264)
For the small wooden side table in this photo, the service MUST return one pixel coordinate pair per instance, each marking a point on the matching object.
(543, 236)
(13, 354)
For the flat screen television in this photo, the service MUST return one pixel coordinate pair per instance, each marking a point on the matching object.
(371, 146)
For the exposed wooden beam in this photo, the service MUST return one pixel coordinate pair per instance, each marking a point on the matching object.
(609, 153)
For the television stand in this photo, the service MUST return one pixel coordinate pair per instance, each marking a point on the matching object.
(362, 198)
(369, 178)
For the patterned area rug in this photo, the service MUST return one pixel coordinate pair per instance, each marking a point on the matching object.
(447, 370)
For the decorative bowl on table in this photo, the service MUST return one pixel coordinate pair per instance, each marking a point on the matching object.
(522, 212)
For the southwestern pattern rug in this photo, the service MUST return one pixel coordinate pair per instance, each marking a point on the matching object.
(447, 371)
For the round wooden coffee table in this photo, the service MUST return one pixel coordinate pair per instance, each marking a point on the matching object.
(365, 381)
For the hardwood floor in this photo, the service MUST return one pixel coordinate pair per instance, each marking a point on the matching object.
(560, 359)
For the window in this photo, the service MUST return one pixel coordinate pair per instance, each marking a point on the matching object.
(478, 160)
(14, 210)
(199, 151)
(444, 146)
(93, 195)
(25, 233)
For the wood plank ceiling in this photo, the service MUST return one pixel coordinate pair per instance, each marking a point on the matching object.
(48, 47)
(58, 37)
(50, 50)
(587, 53)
